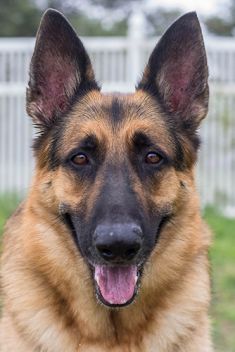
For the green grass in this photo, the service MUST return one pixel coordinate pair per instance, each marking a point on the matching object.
(223, 271)
(8, 204)
(222, 256)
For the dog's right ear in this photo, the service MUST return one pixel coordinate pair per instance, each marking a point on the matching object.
(60, 70)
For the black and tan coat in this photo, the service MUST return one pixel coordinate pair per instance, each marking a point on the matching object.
(113, 190)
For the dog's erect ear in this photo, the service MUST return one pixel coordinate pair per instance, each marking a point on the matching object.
(177, 72)
(60, 69)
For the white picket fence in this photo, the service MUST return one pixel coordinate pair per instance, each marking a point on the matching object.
(118, 64)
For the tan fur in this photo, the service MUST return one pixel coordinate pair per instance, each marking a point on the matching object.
(48, 292)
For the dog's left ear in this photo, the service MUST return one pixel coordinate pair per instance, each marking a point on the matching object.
(60, 70)
(177, 73)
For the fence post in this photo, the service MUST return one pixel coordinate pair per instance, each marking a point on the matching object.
(136, 35)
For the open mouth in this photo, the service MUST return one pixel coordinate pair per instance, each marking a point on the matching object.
(116, 286)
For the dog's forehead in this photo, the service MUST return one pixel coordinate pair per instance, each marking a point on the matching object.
(115, 117)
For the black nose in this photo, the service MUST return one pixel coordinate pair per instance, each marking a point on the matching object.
(118, 242)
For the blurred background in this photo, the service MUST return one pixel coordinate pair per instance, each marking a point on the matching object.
(119, 36)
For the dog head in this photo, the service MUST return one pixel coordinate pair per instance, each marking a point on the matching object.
(116, 168)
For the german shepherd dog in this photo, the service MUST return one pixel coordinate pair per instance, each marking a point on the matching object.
(109, 251)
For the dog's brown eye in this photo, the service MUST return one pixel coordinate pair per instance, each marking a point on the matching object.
(153, 158)
(80, 159)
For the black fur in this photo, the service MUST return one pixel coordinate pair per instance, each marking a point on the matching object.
(117, 111)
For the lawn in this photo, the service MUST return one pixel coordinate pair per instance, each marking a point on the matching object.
(7, 206)
(222, 256)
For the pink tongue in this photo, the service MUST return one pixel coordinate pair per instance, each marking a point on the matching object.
(116, 284)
